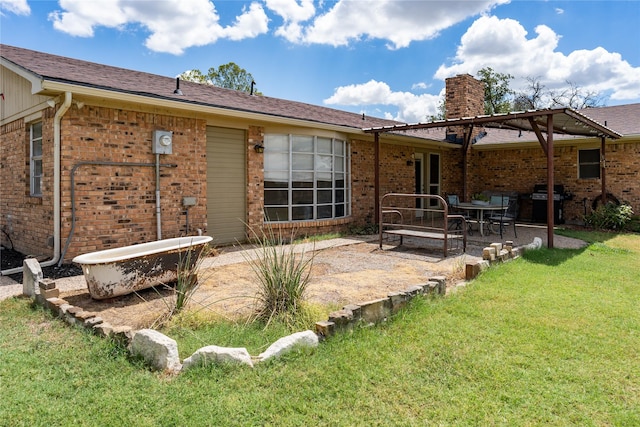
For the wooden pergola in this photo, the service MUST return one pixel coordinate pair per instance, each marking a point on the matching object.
(565, 121)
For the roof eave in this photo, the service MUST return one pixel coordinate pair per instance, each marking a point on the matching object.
(159, 101)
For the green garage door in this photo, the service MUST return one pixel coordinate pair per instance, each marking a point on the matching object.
(226, 184)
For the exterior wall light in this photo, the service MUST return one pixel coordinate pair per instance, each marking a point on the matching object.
(411, 159)
(259, 148)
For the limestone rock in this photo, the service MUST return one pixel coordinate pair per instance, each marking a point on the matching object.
(31, 275)
(288, 343)
(215, 354)
(536, 244)
(158, 350)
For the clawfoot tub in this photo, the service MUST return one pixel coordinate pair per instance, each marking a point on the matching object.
(120, 271)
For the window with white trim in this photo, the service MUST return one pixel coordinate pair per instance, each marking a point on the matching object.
(35, 159)
(589, 163)
(305, 178)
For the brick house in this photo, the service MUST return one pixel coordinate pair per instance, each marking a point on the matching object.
(95, 157)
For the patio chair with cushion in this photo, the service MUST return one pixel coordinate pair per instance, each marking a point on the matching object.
(505, 216)
(454, 203)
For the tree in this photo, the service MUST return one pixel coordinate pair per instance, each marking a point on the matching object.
(441, 112)
(532, 97)
(229, 76)
(536, 95)
(576, 97)
(497, 93)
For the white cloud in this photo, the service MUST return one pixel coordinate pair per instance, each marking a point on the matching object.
(559, 11)
(411, 108)
(18, 7)
(398, 21)
(293, 14)
(174, 25)
(502, 44)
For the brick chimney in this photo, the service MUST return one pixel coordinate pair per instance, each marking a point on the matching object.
(464, 98)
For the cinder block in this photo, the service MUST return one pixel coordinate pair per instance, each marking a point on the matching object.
(50, 293)
(414, 290)
(376, 310)
(46, 284)
(325, 328)
(442, 283)
(398, 301)
(356, 311)
(471, 270)
(341, 318)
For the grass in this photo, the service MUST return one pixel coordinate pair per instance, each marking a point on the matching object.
(549, 339)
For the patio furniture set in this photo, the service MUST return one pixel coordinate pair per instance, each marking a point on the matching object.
(492, 216)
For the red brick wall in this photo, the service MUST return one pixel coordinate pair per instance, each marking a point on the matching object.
(362, 182)
(116, 205)
(255, 179)
(520, 169)
(26, 222)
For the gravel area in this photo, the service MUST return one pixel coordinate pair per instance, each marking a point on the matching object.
(359, 258)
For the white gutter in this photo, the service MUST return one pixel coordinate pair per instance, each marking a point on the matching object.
(56, 187)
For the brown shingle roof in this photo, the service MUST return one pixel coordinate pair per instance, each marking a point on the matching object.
(83, 73)
(624, 119)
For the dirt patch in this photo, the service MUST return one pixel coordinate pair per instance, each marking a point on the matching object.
(342, 275)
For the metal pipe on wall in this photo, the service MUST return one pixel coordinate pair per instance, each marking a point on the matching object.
(73, 193)
(158, 210)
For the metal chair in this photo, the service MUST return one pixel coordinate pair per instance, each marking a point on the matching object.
(454, 202)
(504, 217)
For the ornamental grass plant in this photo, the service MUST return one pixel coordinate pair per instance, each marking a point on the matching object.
(283, 273)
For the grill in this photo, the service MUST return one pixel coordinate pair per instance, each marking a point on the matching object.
(539, 199)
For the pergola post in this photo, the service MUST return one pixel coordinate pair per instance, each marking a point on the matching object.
(376, 178)
(466, 142)
(550, 183)
(603, 174)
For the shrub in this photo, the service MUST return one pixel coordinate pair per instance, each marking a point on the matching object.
(610, 216)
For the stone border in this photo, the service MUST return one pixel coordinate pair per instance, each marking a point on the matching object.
(161, 352)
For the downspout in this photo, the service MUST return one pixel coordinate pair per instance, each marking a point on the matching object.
(56, 186)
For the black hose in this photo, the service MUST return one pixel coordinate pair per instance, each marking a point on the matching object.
(610, 199)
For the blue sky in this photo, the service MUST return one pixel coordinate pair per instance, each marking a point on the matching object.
(384, 58)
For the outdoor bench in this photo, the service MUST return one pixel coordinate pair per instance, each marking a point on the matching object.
(423, 216)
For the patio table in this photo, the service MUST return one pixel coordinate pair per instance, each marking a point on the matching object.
(480, 211)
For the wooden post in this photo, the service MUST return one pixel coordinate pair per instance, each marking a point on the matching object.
(550, 182)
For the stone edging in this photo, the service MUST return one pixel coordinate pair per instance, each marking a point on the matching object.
(161, 352)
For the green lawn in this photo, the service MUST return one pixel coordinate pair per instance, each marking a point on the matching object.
(552, 338)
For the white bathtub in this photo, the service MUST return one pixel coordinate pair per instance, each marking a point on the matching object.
(120, 271)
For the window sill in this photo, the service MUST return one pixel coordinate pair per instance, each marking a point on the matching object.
(309, 223)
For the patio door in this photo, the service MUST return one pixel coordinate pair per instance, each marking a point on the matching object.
(419, 189)
(433, 176)
(427, 178)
